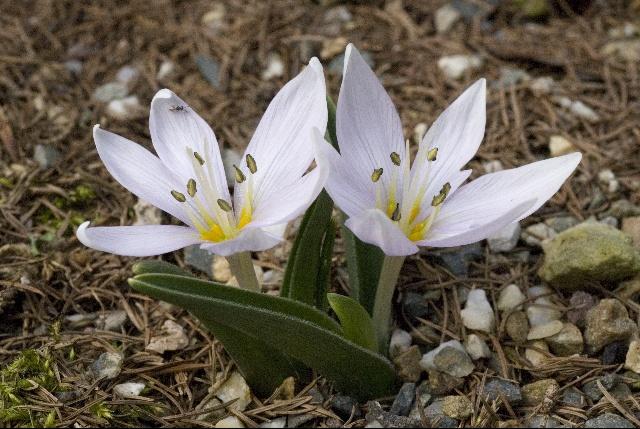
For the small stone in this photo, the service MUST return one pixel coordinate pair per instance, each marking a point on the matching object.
(113, 320)
(404, 400)
(628, 289)
(457, 259)
(477, 313)
(542, 421)
(345, 406)
(408, 365)
(126, 108)
(542, 310)
(445, 18)
(561, 223)
(497, 388)
(578, 108)
(107, 366)
(449, 357)
(614, 353)
(559, 146)
(511, 297)
(517, 327)
(235, 388)
(592, 390)
(589, 252)
(128, 390)
(441, 383)
(230, 422)
(534, 356)
(625, 50)
(400, 342)
(579, 304)
(506, 239)
(606, 177)
(456, 66)
(567, 342)
(631, 227)
(632, 360)
(607, 322)
(415, 305)
(46, 156)
(210, 69)
(574, 398)
(127, 75)
(510, 76)
(221, 270)
(279, 422)
(419, 132)
(385, 419)
(542, 85)
(165, 71)
(213, 19)
(110, 91)
(476, 347)
(172, 337)
(538, 233)
(623, 208)
(457, 407)
(199, 258)
(545, 330)
(74, 66)
(492, 166)
(534, 393)
(608, 420)
(230, 158)
(275, 67)
(146, 213)
(298, 420)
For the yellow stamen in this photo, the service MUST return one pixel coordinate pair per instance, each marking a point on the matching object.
(245, 217)
(215, 234)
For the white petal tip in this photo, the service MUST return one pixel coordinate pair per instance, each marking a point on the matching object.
(164, 93)
(81, 232)
(315, 64)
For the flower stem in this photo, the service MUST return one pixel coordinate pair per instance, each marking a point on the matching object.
(242, 267)
(384, 294)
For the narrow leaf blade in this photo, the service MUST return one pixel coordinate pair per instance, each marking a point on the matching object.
(356, 322)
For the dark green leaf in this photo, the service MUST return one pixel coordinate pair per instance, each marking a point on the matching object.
(158, 267)
(356, 322)
(293, 328)
(324, 271)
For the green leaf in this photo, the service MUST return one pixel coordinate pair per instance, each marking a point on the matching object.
(331, 123)
(356, 322)
(159, 267)
(324, 272)
(364, 262)
(295, 329)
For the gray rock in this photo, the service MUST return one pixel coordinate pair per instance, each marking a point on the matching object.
(608, 420)
(436, 417)
(404, 400)
(414, 305)
(457, 259)
(542, 421)
(110, 91)
(497, 387)
(112, 321)
(579, 304)
(46, 156)
(107, 366)
(567, 342)
(534, 393)
(536, 234)
(449, 357)
(127, 75)
(279, 422)
(614, 353)
(388, 420)
(511, 76)
(561, 223)
(589, 252)
(441, 383)
(574, 398)
(470, 9)
(344, 405)
(210, 69)
(608, 322)
(74, 66)
(457, 407)
(623, 208)
(506, 239)
(408, 366)
(199, 258)
(517, 327)
(592, 390)
(299, 419)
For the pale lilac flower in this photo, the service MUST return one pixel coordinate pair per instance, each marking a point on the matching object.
(187, 179)
(399, 207)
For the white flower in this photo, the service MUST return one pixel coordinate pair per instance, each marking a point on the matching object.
(187, 178)
(398, 207)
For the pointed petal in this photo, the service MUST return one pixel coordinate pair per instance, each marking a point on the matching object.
(281, 145)
(493, 195)
(475, 231)
(374, 227)
(173, 131)
(367, 123)
(291, 201)
(249, 240)
(457, 132)
(145, 240)
(139, 171)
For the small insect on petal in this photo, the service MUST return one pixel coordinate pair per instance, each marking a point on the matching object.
(395, 216)
(178, 108)
(191, 188)
(251, 164)
(439, 199)
(395, 158)
(240, 177)
(178, 196)
(224, 205)
(198, 158)
(377, 173)
(432, 154)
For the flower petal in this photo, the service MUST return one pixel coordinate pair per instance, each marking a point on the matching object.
(456, 133)
(249, 240)
(173, 131)
(281, 145)
(367, 122)
(144, 240)
(139, 171)
(374, 227)
(492, 195)
(292, 200)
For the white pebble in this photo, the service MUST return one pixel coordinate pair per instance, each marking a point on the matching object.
(506, 239)
(579, 109)
(445, 17)
(125, 108)
(558, 146)
(275, 67)
(510, 298)
(535, 357)
(492, 166)
(128, 390)
(230, 422)
(476, 347)
(545, 330)
(477, 313)
(455, 66)
(166, 69)
(235, 388)
(426, 362)
(419, 131)
(400, 342)
(542, 85)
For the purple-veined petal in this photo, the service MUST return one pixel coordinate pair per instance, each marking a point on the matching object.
(367, 122)
(139, 171)
(144, 240)
(374, 227)
(249, 240)
(281, 145)
(174, 128)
